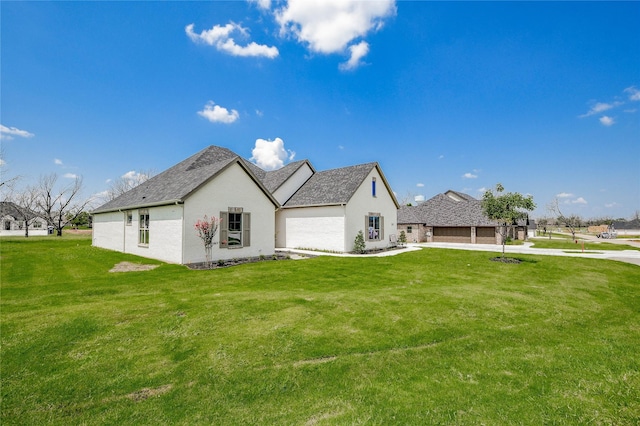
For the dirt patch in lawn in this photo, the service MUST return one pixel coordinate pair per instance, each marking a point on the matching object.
(147, 393)
(131, 267)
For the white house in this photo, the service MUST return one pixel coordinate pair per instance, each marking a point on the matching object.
(292, 207)
(15, 219)
(329, 209)
(157, 218)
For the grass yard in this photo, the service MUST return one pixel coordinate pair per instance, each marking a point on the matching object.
(428, 337)
(563, 244)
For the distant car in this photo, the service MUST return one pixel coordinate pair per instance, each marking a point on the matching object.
(607, 235)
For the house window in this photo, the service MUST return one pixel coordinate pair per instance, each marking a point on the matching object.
(143, 227)
(375, 227)
(373, 187)
(235, 228)
(7, 225)
(129, 217)
(409, 229)
(37, 224)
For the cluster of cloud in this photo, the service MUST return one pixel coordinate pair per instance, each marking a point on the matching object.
(271, 155)
(7, 133)
(217, 114)
(597, 108)
(569, 198)
(220, 37)
(334, 26)
(323, 26)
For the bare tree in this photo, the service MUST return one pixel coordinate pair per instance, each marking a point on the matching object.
(59, 206)
(26, 201)
(127, 182)
(573, 222)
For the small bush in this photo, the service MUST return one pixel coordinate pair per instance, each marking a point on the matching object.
(358, 244)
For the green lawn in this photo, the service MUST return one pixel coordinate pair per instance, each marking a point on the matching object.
(428, 337)
(563, 244)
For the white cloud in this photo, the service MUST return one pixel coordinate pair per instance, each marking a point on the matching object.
(271, 155)
(607, 121)
(420, 185)
(469, 176)
(57, 161)
(134, 177)
(259, 113)
(579, 200)
(2, 162)
(564, 195)
(634, 94)
(217, 114)
(418, 198)
(262, 4)
(599, 107)
(440, 157)
(341, 147)
(70, 176)
(358, 51)
(220, 37)
(7, 133)
(611, 205)
(330, 26)
(483, 190)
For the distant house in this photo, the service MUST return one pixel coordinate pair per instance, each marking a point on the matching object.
(451, 217)
(14, 223)
(293, 207)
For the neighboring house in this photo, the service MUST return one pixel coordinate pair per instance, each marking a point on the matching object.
(13, 221)
(329, 209)
(452, 217)
(627, 227)
(156, 219)
(294, 207)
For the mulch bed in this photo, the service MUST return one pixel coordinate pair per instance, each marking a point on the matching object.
(506, 260)
(217, 264)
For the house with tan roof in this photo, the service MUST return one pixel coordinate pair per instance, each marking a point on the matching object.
(292, 207)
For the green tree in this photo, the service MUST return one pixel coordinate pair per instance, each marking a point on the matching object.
(506, 209)
(358, 244)
(402, 239)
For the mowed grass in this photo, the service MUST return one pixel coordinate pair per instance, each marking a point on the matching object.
(428, 337)
(564, 244)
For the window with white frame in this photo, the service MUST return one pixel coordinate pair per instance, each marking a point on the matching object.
(129, 217)
(374, 224)
(235, 228)
(143, 227)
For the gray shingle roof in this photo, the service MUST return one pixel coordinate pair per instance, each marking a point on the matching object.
(443, 210)
(7, 208)
(178, 182)
(275, 178)
(335, 186)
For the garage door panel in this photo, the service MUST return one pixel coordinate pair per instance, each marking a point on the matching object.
(486, 235)
(452, 235)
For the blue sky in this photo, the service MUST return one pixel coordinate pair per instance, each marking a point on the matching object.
(542, 97)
